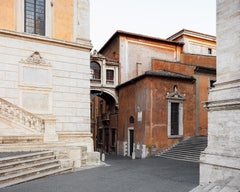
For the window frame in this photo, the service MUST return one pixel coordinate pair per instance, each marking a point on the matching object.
(96, 72)
(175, 97)
(109, 80)
(42, 28)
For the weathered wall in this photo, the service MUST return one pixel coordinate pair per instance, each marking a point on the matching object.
(63, 19)
(187, 66)
(199, 60)
(194, 45)
(7, 14)
(61, 86)
(148, 96)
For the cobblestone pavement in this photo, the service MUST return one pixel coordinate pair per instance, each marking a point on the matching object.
(121, 175)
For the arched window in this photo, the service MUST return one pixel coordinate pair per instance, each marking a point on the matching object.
(95, 70)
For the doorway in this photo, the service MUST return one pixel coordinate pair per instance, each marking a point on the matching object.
(130, 141)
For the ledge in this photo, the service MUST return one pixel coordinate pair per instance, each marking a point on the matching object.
(82, 43)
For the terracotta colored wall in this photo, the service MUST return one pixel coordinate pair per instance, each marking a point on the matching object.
(172, 66)
(63, 19)
(112, 51)
(202, 80)
(149, 95)
(200, 60)
(7, 14)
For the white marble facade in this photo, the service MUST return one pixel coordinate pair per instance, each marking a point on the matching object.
(221, 159)
(46, 76)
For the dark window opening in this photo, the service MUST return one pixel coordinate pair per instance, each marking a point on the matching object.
(174, 118)
(110, 76)
(34, 17)
(95, 71)
(209, 51)
(212, 83)
(131, 119)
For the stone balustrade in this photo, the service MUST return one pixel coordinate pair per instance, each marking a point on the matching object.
(16, 114)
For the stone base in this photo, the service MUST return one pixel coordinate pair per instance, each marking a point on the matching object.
(93, 158)
(230, 184)
(214, 167)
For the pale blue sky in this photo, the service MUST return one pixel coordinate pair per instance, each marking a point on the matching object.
(157, 18)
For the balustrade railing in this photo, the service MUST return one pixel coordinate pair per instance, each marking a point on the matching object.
(16, 114)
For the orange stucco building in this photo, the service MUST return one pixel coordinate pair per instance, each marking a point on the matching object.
(144, 103)
(149, 71)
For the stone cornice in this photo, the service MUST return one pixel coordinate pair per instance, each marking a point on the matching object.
(82, 44)
(231, 104)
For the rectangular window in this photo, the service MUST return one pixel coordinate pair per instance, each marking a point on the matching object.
(174, 118)
(212, 83)
(110, 76)
(209, 51)
(34, 17)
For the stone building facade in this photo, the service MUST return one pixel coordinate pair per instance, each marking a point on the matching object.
(186, 53)
(44, 73)
(146, 116)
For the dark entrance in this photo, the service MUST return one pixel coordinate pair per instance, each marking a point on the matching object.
(174, 118)
(131, 140)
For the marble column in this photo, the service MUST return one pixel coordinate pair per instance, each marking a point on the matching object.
(221, 159)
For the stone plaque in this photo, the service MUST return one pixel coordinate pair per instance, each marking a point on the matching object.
(35, 75)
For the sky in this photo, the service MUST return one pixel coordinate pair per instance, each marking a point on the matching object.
(156, 18)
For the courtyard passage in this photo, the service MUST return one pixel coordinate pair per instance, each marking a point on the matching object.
(121, 175)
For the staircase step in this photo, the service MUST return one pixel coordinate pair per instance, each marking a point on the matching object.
(25, 161)
(188, 150)
(36, 176)
(26, 173)
(181, 158)
(24, 156)
(28, 166)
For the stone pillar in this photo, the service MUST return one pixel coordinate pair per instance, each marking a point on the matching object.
(50, 134)
(221, 159)
(81, 21)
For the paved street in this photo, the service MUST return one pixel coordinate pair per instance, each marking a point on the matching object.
(122, 175)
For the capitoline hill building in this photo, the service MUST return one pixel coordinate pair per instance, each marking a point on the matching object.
(148, 92)
(44, 78)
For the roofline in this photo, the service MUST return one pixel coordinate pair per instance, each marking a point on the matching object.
(191, 33)
(154, 74)
(140, 36)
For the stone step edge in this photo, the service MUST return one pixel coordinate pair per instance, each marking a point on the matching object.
(28, 172)
(28, 155)
(180, 156)
(34, 177)
(26, 161)
(25, 167)
(189, 160)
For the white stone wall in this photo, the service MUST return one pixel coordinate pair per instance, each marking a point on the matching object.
(66, 94)
(221, 159)
(198, 47)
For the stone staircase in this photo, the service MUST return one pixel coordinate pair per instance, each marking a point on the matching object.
(230, 184)
(186, 150)
(29, 166)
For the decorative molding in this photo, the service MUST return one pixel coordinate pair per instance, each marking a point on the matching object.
(231, 104)
(175, 95)
(35, 59)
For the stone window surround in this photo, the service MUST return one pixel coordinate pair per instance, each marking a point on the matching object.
(180, 120)
(175, 97)
(20, 17)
